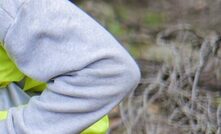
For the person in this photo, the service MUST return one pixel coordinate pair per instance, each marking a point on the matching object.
(61, 72)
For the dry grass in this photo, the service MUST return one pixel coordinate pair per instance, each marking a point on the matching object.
(179, 94)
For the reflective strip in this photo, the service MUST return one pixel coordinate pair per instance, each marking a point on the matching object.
(3, 115)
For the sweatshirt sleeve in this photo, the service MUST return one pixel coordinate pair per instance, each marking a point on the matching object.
(87, 71)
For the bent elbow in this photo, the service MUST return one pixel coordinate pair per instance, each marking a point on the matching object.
(133, 74)
(129, 77)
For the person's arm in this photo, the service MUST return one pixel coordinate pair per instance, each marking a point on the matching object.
(87, 71)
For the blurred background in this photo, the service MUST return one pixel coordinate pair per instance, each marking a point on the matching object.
(176, 45)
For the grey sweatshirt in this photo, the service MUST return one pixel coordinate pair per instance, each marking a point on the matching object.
(87, 71)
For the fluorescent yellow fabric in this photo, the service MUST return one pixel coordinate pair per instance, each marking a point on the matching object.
(8, 70)
(9, 73)
(100, 127)
(33, 85)
(3, 115)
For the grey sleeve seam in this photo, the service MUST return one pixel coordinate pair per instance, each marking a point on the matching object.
(13, 18)
(3, 41)
(7, 12)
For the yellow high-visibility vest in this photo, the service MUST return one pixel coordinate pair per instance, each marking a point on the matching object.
(10, 73)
